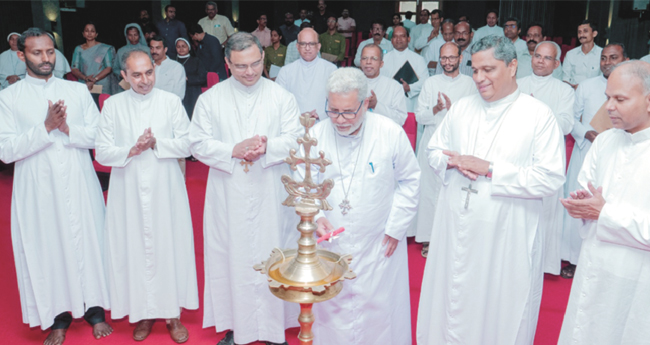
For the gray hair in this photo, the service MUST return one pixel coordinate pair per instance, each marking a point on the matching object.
(211, 3)
(639, 69)
(130, 53)
(346, 80)
(558, 50)
(241, 41)
(504, 50)
(372, 45)
(32, 32)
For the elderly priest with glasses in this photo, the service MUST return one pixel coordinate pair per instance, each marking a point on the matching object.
(375, 197)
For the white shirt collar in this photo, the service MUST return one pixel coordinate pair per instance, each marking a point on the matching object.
(140, 97)
(639, 136)
(39, 81)
(503, 101)
(243, 88)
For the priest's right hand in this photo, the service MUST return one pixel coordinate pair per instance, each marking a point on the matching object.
(372, 100)
(240, 149)
(443, 103)
(55, 115)
(591, 136)
(455, 160)
(145, 142)
(324, 226)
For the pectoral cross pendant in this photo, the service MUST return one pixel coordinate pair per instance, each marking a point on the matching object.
(345, 206)
(245, 164)
(469, 190)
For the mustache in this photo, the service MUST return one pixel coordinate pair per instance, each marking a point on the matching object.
(532, 41)
(46, 64)
(461, 40)
(376, 34)
(582, 37)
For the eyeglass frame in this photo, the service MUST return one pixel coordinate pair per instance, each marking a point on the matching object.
(342, 113)
(307, 44)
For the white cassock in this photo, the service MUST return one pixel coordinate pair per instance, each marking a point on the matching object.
(170, 77)
(423, 42)
(150, 253)
(62, 66)
(486, 31)
(483, 278)
(243, 217)
(609, 296)
(394, 60)
(391, 101)
(307, 81)
(11, 64)
(559, 96)
(418, 31)
(590, 96)
(383, 197)
(430, 184)
(57, 205)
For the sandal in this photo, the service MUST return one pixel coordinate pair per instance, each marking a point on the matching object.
(425, 249)
(568, 271)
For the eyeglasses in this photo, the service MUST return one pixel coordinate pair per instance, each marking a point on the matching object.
(547, 58)
(449, 58)
(348, 115)
(307, 44)
(511, 26)
(242, 68)
(366, 58)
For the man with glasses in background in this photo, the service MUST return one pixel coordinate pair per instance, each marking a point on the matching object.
(463, 36)
(371, 156)
(306, 77)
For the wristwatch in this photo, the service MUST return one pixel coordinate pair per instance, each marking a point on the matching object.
(489, 174)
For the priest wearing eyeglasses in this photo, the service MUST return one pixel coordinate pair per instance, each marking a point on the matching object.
(375, 197)
(243, 128)
(306, 77)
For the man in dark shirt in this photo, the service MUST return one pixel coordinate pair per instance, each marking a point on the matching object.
(209, 51)
(289, 30)
(171, 29)
(320, 17)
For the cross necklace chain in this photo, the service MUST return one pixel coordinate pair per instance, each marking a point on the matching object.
(469, 189)
(345, 204)
(243, 131)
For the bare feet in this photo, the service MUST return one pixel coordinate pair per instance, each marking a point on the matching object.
(101, 330)
(56, 337)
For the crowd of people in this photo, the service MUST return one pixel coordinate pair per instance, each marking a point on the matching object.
(487, 190)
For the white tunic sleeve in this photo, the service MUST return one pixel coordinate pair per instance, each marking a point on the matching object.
(84, 136)
(106, 152)
(426, 102)
(277, 148)
(421, 40)
(546, 173)
(179, 145)
(626, 224)
(15, 146)
(441, 140)
(407, 191)
(579, 129)
(395, 106)
(212, 152)
(564, 114)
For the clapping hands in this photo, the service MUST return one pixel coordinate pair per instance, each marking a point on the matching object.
(145, 141)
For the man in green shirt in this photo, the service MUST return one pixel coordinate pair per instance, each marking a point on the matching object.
(332, 42)
(274, 54)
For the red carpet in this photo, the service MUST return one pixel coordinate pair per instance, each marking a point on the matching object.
(13, 331)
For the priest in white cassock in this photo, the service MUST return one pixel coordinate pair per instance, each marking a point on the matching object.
(590, 98)
(432, 55)
(47, 126)
(397, 57)
(491, 27)
(12, 68)
(498, 154)
(559, 96)
(306, 77)
(609, 299)
(170, 75)
(150, 253)
(418, 30)
(386, 96)
(375, 198)
(438, 94)
(430, 33)
(243, 128)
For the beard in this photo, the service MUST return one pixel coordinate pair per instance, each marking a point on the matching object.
(36, 68)
(454, 68)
